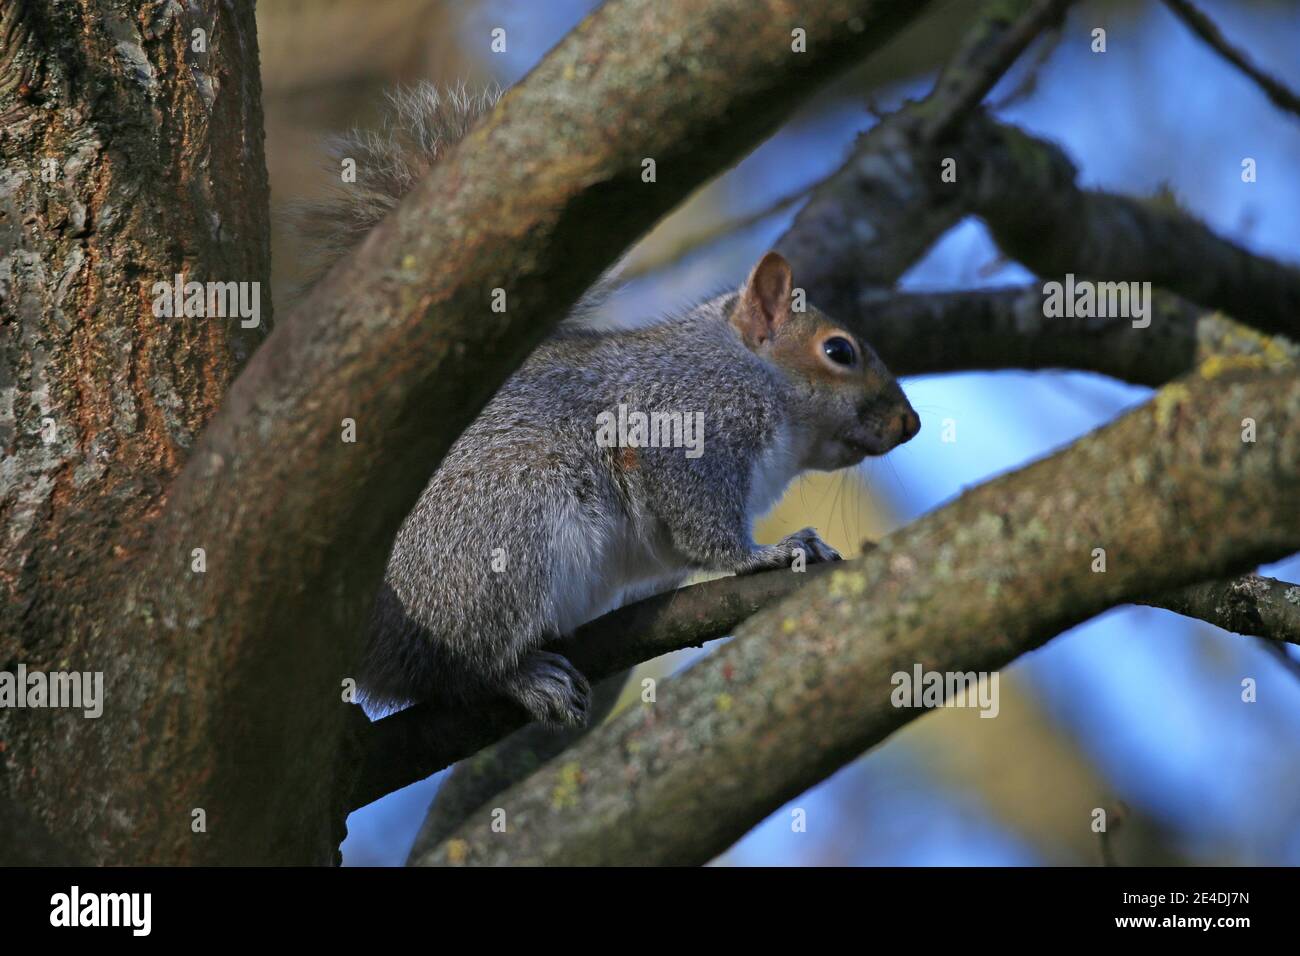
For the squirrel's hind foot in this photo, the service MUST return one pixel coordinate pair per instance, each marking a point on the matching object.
(551, 689)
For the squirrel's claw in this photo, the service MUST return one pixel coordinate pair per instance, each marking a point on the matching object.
(815, 550)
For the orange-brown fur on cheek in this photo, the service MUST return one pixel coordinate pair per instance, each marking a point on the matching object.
(797, 348)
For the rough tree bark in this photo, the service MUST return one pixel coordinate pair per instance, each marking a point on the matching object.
(128, 157)
(132, 158)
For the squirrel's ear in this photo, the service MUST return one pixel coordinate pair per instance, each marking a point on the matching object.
(764, 304)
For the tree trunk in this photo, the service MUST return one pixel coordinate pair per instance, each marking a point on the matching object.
(132, 152)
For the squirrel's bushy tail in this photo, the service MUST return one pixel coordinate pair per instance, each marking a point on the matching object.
(421, 123)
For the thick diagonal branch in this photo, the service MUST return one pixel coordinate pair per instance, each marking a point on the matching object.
(1172, 494)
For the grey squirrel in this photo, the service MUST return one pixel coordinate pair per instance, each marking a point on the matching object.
(532, 526)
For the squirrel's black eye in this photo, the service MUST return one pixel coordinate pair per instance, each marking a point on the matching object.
(840, 350)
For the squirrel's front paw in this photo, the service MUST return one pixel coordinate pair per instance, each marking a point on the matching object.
(810, 542)
(551, 689)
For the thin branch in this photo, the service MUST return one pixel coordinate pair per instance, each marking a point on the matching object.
(410, 745)
(1003, 32)
(1174, 496)
(1028, 83)
(1277, 91)
(1265, 607)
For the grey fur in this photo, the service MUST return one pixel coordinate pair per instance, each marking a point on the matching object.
(421, 124)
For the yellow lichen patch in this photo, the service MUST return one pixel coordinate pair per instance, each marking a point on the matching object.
(1220, 335)
(989, 526)
(1216, 365)
(723, 702)
(565, 794)
(1225, 346)
(847, 584)
(457, 851)
(1167, 401)
(789, 625)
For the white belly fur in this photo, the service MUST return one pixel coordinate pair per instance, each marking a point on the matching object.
(599, 570)
(775, 468)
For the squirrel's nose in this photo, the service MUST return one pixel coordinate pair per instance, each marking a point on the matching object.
(909, 423)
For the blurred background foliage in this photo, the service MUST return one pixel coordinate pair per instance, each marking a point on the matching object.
(1138, 711)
